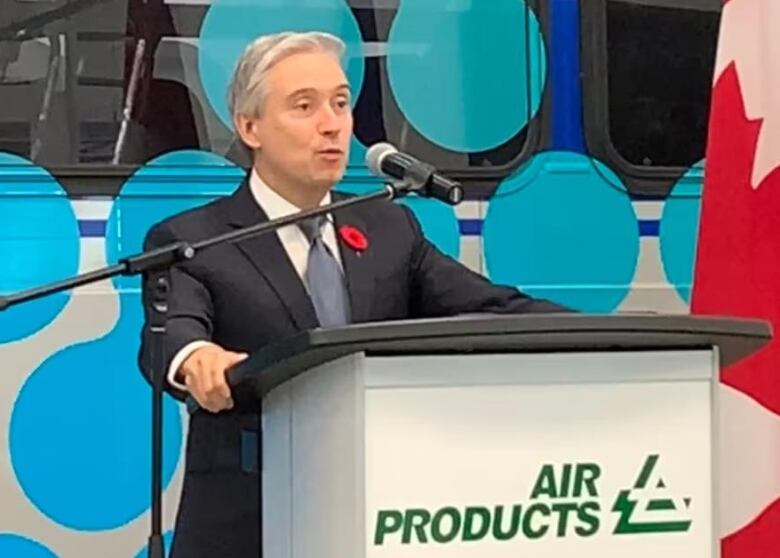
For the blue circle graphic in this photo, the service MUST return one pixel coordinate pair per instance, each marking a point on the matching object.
(80, 432)
(230, 25)
(357, 153)
(167, 540)
(437, 219)
(39, 243)
(563, 227)
(100, 442)
(679, 230)
(167, 185)
(15, 546)
(472, 80)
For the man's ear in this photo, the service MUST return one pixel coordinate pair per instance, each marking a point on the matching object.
(247, 129)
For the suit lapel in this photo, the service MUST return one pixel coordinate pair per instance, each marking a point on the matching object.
(270, 259)
(357, 265)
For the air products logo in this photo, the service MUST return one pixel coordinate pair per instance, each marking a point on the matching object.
(565, 501)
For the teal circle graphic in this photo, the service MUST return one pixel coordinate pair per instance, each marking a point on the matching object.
(16, 546)
(563, 228)
(467, 75)
(165, 186)
(679, 230)
(80, 431)
(101, 440)
(438, 220)
(357, 153)
(230, 25)
(39, 243)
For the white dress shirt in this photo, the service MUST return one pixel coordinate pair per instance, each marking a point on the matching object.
(293, 240)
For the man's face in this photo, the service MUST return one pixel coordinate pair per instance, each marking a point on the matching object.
(305, 126)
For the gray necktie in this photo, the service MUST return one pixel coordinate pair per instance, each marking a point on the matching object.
(324, 278)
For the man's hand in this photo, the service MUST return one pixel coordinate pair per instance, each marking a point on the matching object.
(204, 375)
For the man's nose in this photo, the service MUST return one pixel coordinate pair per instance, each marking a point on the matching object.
(329, 122)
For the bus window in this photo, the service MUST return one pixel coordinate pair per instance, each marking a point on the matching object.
(431, 89)
(84, 83)
(109, 83)
(652, 68)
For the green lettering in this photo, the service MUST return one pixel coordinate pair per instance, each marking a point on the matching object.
(469, 533)
(506, 535)
(588, 514)
(416, 519)
(387, 521)
(586, 474)
(565, 479)
(563, 515)
(528, 530)
(545, 483)
(436, 528)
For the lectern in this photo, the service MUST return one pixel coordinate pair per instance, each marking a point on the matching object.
(494, 436)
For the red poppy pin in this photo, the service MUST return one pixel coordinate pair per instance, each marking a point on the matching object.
(354, 238)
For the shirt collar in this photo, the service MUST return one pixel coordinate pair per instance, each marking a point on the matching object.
(274, 205)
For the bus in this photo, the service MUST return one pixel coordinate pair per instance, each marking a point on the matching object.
(577, 128)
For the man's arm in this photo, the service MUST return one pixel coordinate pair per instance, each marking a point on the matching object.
(442, 286)
(175, 369)
(189, 315)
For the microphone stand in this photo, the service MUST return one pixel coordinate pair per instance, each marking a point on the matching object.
(156, 265)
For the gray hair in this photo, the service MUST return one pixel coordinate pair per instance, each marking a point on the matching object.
(246, 93)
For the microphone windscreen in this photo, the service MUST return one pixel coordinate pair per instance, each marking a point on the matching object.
(375, 154)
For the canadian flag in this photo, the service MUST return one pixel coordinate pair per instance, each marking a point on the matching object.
(738, 266)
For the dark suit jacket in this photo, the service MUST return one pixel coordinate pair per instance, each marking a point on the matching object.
(243, 296)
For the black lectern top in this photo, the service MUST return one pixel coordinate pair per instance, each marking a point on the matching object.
(275, 364)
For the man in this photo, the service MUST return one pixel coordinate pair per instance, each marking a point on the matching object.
(290, 102)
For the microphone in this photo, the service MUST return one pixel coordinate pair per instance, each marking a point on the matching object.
(385, 160)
